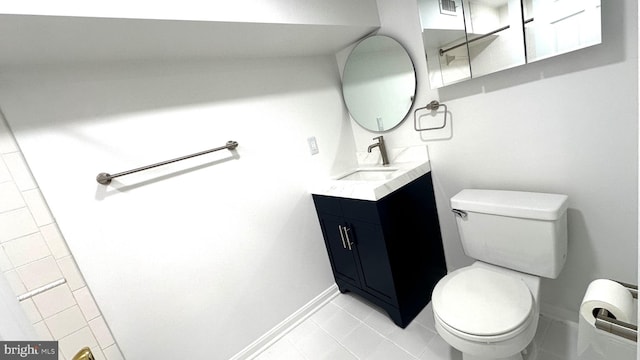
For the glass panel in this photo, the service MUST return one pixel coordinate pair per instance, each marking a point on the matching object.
(560, 26)
(444, 40)
(495, 36)
(465, 39)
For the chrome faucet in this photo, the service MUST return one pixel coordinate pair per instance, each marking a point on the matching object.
(383, 149)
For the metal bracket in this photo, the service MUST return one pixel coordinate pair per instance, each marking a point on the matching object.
(433, 106)
(605, 321)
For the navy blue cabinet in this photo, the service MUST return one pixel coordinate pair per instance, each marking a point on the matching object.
(388, 251)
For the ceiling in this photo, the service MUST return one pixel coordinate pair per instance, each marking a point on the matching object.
(28, 40)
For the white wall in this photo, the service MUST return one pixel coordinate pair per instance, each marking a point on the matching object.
(212, 251)
(567, 124)
(329, 12)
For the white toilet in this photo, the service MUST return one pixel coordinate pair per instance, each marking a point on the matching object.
(489, 310)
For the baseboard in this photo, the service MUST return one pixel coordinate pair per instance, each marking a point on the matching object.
(557, 313)
(262, 343)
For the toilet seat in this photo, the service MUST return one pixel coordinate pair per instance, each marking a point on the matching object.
(480, 304)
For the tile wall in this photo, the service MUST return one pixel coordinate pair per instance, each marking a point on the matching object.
(33, 253)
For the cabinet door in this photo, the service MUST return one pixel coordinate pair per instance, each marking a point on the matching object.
(369, 242)
(342, 258)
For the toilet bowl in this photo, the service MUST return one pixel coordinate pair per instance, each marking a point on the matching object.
(488, 312)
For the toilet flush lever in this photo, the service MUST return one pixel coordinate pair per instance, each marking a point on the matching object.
(462, 214)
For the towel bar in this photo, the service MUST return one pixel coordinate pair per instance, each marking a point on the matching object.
(105, 178)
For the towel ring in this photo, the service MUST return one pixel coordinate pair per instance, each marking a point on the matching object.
(433, 106)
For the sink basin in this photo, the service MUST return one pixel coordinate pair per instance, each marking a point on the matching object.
(369, 175)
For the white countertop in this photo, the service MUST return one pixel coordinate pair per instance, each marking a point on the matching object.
(407, 164)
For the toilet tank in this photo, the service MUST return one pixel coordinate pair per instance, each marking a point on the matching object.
(523, 231)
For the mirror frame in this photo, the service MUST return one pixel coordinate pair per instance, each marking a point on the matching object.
(374, 97)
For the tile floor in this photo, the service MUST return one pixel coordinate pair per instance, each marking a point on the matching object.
(349, 328)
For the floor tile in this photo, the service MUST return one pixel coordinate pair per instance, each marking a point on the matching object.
(20, 172)
(339, 353)
(299, 333)
(5, 263)
(54, 300)
(561, 339)
(362, 341)
(39, 273)
(381, 322)
(54, 240)
(5, 175)
(113, 353)
(11, 198)
(350, 328)
(388, 350)
(38, 207)
(317, 344)
(26, 249)
(413, 339)
(71, 344)
(543, 327)
(336, 321)
(16, 223)
(545, 355)
(425, 318)
(66, 322)
(101, 332)
(281, 350)
(438, 349)
(355, 306)
(86, 303)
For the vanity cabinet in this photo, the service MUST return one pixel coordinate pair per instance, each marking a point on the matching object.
(388, 251)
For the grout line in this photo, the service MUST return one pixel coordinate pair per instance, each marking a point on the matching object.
(329, 333)
(542, 335)
(363, 322)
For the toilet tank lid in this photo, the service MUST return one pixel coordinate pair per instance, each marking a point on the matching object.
(530, 205)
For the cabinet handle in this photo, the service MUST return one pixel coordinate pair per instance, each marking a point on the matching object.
(346, 234)
(342, 236)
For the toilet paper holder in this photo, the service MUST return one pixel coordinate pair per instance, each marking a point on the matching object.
(607, 322)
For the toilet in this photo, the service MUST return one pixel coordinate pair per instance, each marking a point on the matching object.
(489, 310)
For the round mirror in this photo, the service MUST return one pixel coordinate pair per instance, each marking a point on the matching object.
(379, 83)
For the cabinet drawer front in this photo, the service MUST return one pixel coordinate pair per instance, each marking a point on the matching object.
(327, 205)
(361, 210)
